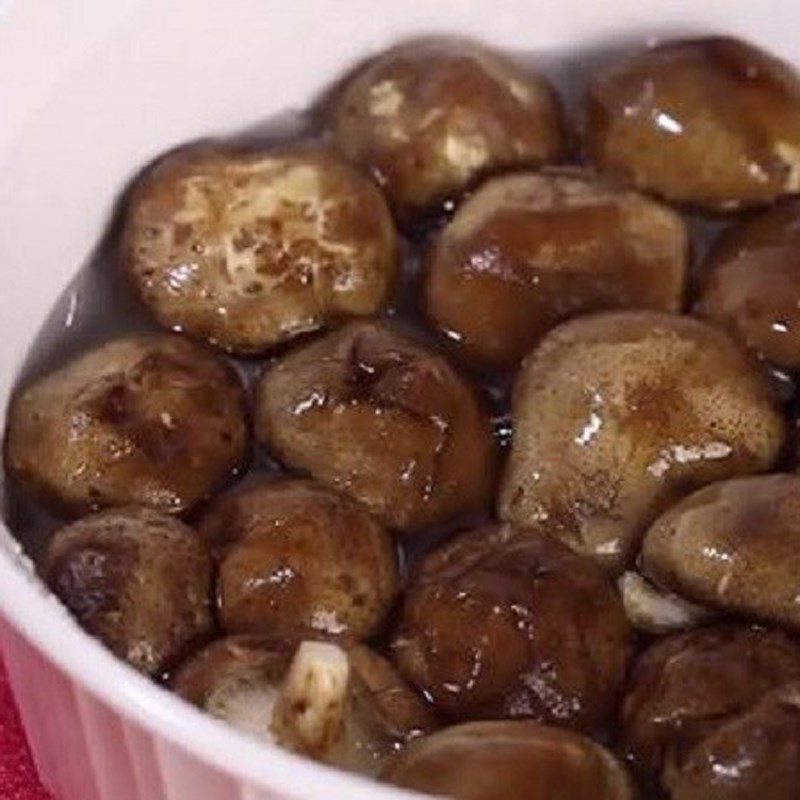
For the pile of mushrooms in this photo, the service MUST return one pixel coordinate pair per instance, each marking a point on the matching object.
(609, 603)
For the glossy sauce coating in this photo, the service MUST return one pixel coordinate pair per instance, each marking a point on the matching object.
(735, 546)
(138, 580)
(150, 420)
(504, 623)
(753, 757)
(686, 686)
(752, 283)
(510, 761)
(711, 122)
(618, 414)
(383, 419)
(530, 250)
(295, 557)
(247, 249)
(428, 117)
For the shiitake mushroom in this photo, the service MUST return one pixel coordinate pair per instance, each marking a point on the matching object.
(751, 283)
(618, 414)
(712, 122)
(686, 686)
(382, 418)
(529, 250)
(510, 760)
(753, 756)
(336, 703)
(733, 546)
(144, 420)
(429, 117)
(247, 249)
(507, 623)
(137, 579)
(294, 557)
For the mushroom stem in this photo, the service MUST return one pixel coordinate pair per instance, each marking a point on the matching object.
(654, 610)
(308, 716)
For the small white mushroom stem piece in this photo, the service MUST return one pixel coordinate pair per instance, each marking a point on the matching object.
(309, 714)
(655, 610)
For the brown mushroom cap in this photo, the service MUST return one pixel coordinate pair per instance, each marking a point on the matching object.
(686, 686)
(504, 623)
(383, 419)
(752, 283)
(295, 557)
(249, 249)
(713, 122)
(734, 545)
(528, 251)
(147, 420)
(617, 414)
(138, 580)
(775, 226)
(754, 756)
(430, 116)
(510, 761)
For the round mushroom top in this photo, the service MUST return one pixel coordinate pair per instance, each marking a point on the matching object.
(428, 117)
(149, 420)
(505, 623)
(384, 419)
(529, 250)
(138, 580)
(510, 761)
(712, 122)
(618, 414)
(295, 557)
(249, 249)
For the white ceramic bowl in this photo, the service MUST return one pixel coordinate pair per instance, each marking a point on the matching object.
(91, 89)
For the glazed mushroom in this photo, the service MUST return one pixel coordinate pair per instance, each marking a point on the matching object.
(733, 546)
(344, 707)
(372, 413)
(752, 284)
(429, 117)
(710, 122)
(687, 686)
(529, 250)
(755, 755)
(249, 249)
(510, 761)
(145, 420)
(617, 414)
(506, 623)
(294, 557)
(138, 580)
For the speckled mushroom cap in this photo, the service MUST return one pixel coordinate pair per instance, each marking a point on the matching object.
(430, 116)
(152, 420)
(247, 249)
(138, 580)
(617, 414)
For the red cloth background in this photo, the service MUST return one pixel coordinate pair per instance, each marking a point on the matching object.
(18, 779)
